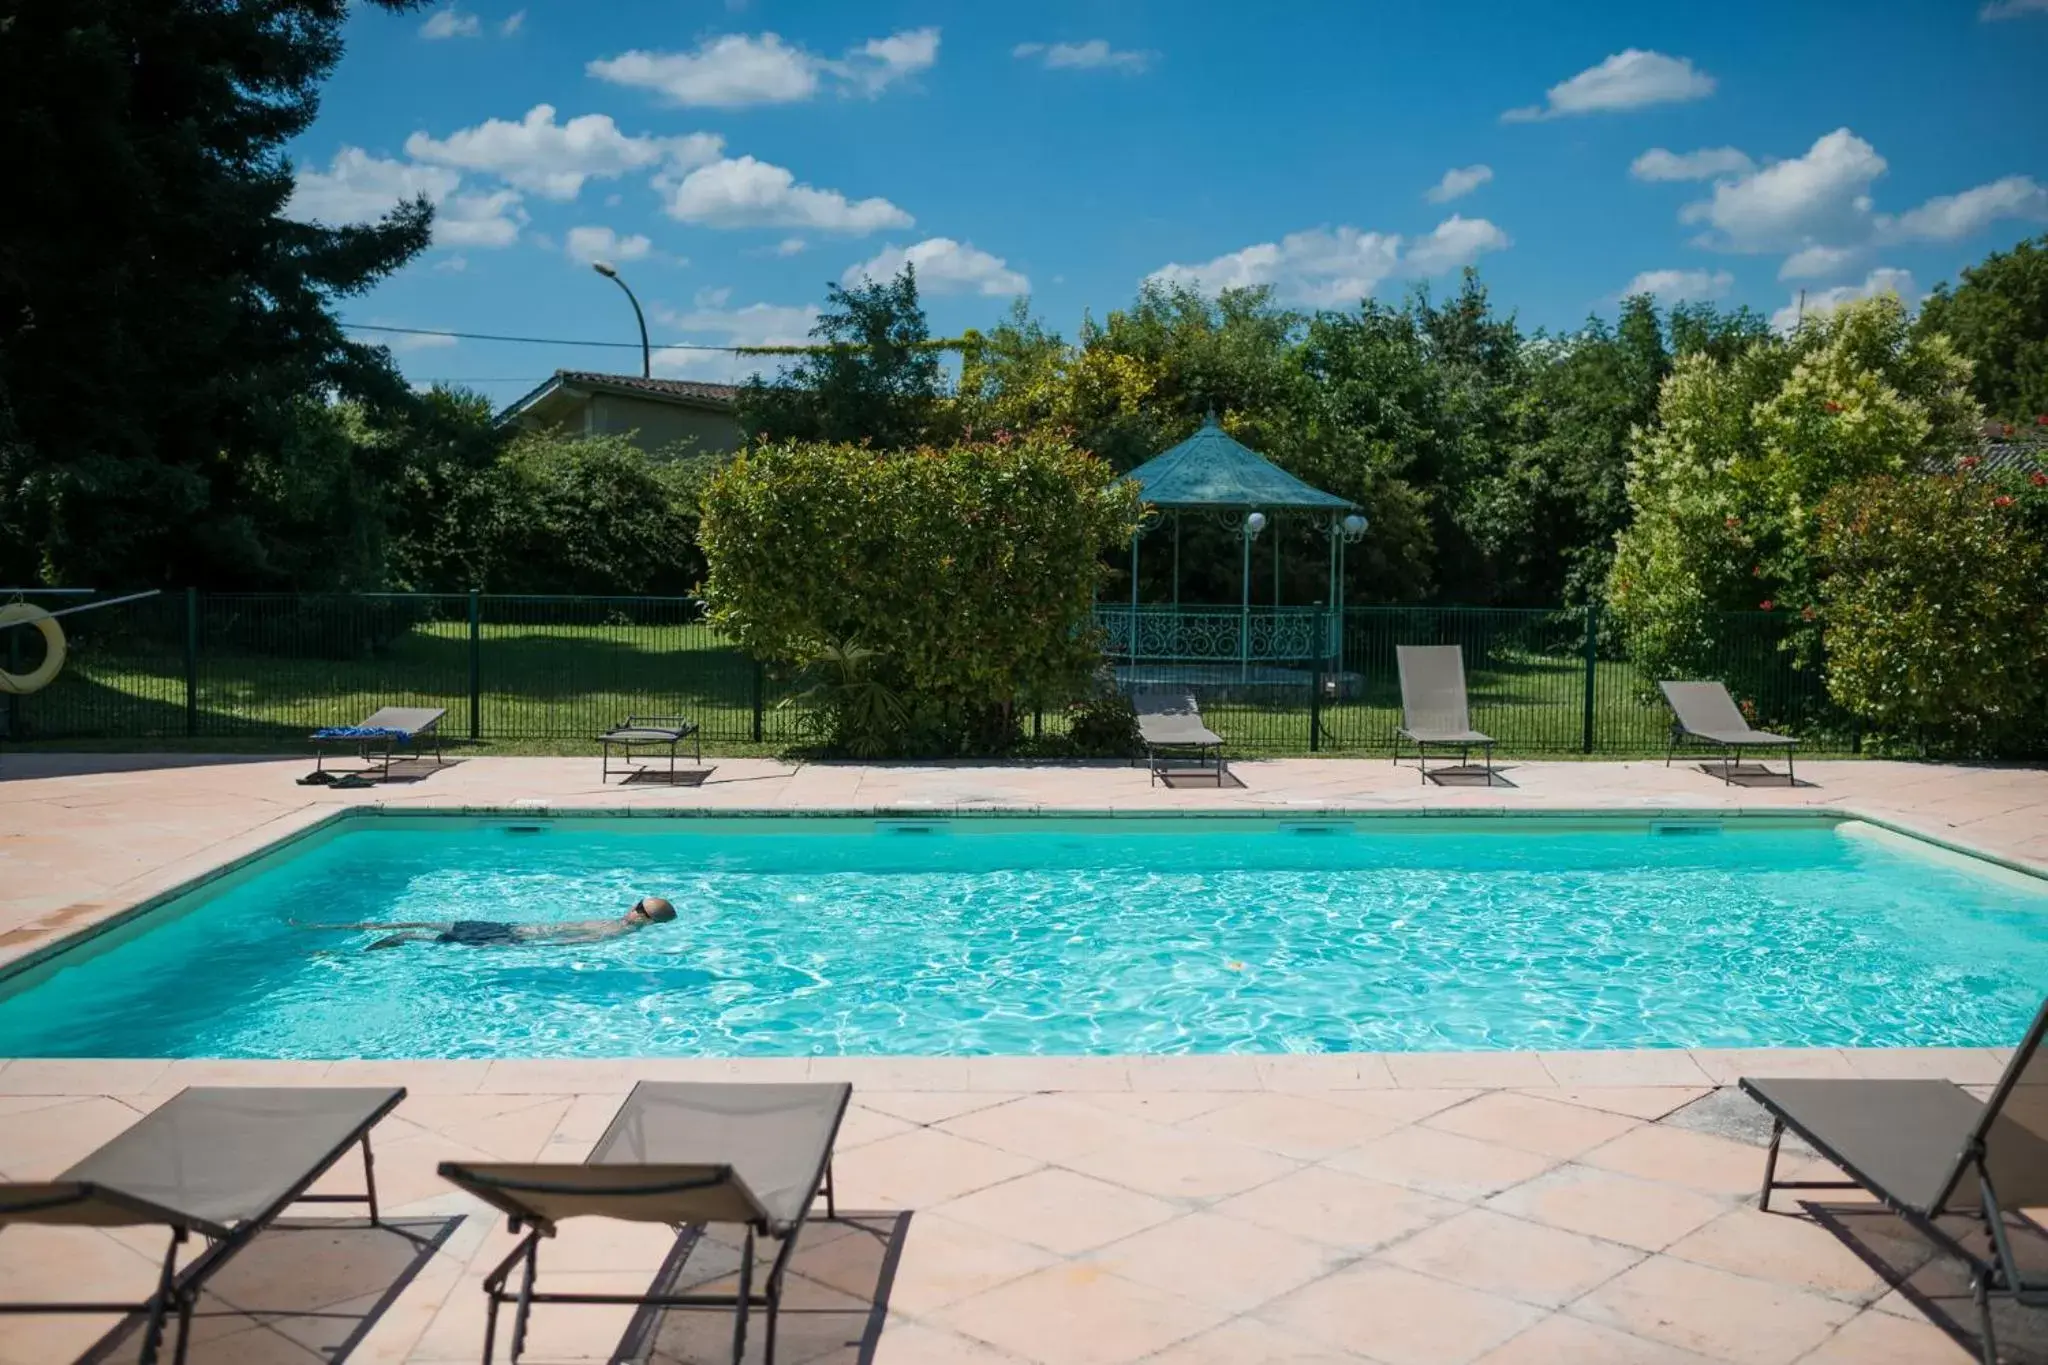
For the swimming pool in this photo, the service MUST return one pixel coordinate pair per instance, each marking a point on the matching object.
(1022, 934)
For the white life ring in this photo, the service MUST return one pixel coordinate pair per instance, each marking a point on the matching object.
(21, 684)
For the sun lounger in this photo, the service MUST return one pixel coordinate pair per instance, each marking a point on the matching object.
(1169, 724)
(649, 732)
(1705, 712)
(685, 1154)
(381, 734)
(223, 1162)
(1929, 1149)
(1433, 706)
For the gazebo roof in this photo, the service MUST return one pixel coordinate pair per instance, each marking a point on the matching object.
(1211, 470)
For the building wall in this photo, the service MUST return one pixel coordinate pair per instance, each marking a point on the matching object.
(661, 424)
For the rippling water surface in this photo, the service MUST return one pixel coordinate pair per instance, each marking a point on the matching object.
(1021, 935)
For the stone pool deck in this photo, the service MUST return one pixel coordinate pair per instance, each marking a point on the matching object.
(1398, 1209)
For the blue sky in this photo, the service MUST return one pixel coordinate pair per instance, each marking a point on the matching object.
(734, 158)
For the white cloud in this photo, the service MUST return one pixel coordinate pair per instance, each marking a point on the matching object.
(602, 244)
(1819, 262)
(1627, 80)
(2011, 9)
(479, 219)
(450, 23)
(712, 298)
(790, 246)
(1458, 182)
(757, 324)
(514, 21)
(554, 159)
(744, 193)
(1823, 195)
(1456, 241)
(419, 341)
(944, 266)
(357, 187)
(1680, 286)
(1953, 216)
(1884, 280)
(1329, 269)
(1708, 163)
(738, 69)
(1094, 54)
(458, 264)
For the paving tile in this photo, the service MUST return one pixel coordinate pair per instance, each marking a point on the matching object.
(1645, 1066)
(920, 1169)
(1166, 1107)
(1467, 1070)
(1325, 1071)
(39, 1144)
(1562, 1340)
(1047, 1127)
(1726, 1065)
(1248, 1341)
(1016, 1074)
(1785, 1248)
(1695, 1160)
(1226, 1071)
(1636, 1101)
(860, 1126)
(1524, 1121)
(1401, 1318)
(930, 1106)
(1079, 1314)
(1963, 1065)
(1881, 1339)
(1619, 1208)
(1296, 1126)
(1443, 1163)
(945, 1261)
(1338, 1210)
(1403, 1105)
(1180, 1165)
(62, 1076)
(1520, 1260)
(1059, 1210)
(1224, 1261)
(1697, 1308)
(914, 1343)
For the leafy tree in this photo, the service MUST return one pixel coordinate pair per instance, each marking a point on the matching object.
(1723, 487)
(165, 339)
(447, 498)
(1998, 320)
(1936, 608)
(875, 380)
(597, 515)
(960, 580)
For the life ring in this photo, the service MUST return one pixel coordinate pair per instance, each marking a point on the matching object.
(21, 684)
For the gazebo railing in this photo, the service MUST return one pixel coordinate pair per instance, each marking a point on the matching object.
(1215, 635)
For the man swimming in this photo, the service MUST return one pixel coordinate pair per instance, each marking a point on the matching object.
(490, 933)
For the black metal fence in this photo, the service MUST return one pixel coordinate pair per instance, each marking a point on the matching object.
(546, 670)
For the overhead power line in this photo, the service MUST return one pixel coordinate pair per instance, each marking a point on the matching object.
(938, 344)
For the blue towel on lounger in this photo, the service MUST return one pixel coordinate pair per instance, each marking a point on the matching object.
(361, 732)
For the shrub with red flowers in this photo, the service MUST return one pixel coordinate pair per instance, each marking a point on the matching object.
(1935, 592)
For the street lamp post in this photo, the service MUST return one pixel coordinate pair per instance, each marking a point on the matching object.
(606, 269)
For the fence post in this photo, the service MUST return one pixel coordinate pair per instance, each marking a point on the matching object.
(476, 664)
(191, 662)
(14, 698)
(759, 699)
(1592, 663)
(1315, 709)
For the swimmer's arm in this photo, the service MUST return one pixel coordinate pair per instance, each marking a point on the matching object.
(371, 926)
(425, 935)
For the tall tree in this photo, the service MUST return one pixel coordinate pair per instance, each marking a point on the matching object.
(1998, 319)
(166, 350)
(874, 378)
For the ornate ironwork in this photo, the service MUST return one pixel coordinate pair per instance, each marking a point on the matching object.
(1214, 634)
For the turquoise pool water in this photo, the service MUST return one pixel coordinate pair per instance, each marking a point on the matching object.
(1026, 935)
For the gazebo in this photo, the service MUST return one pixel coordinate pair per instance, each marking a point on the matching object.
(1211, 473)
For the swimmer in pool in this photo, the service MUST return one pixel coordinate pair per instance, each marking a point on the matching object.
(488, 933)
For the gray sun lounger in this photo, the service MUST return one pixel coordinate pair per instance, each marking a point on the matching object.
(1929, 1149)
(649, 732)
(1433, 706)
(1704, 711)
(380, 735)
(1170, 724)
(685, 1154)
(222, 1162)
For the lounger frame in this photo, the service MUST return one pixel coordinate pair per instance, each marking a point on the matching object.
(1159, 753)
(379, 759)
(525, 1260)
(1452, 703)
(669, 731)
(178, 1291)
(1997, 1277)
(1730, 744)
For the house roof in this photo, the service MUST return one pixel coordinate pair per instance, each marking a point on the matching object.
(1210, 469)
(573, 384)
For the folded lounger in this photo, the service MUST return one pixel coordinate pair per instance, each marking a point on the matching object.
(684, 1154)
(649, 732)
(1705, 712)
(223, 1162)
(381, 733)
(1929, 1149)
(1170, 723)
(1433, 705)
